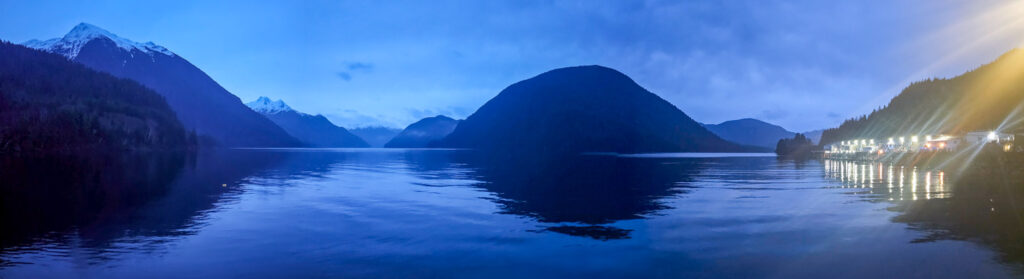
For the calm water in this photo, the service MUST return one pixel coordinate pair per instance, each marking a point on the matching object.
(446, 213)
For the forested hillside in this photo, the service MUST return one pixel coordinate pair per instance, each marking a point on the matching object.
(987, 98)
(583, 109)
(48, 103)
(198, 101)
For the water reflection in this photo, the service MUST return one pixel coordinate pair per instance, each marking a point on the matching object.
(985, 207)
(982, 205)
(94, 200)
(892, 182)
(581, 195)
(415, 213)
(98, 201)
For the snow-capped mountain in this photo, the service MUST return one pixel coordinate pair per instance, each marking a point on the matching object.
(313, 130)
(71, 44)
(199, 102)
(266, 106)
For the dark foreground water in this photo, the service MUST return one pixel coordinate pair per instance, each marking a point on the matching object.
(438, 213)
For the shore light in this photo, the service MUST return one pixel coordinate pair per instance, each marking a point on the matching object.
(902, 140)
(913, 139)
(863, 142)
(928, 137)
(890, 141)
(992, 136)
(872, 141)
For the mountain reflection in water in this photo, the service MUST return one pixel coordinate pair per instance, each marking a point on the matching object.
(582, 193)
(91, 200)
(456, 213)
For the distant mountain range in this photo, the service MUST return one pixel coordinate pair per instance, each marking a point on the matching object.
(50, 104)
(814, 136)
(199, 102)
(567, 110)
(313, 130)
(424, 132)
(749, 131)
(990, 97)
(376, 136)
(754, 132)
(582, 109)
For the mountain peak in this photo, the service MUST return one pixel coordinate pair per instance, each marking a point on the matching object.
(85, 30)
(587, 70)
(72, 42)
(267, 106)
(750, 131)
(748, 121)
(747, 124)
(423, 132)
(582, 109)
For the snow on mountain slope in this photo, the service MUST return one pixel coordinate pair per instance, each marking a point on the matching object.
(71, 44)
(199, 101)
(313, 130)
(266, 106)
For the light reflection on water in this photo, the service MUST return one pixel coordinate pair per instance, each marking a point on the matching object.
(894, 182)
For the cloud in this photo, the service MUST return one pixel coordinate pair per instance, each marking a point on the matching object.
(349, 118)
(345, 76)
(453, 112)
(715, 60)
(354, 67)
(359, 66)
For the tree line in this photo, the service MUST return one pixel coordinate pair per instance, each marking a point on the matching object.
(987, 98)
(48, 103)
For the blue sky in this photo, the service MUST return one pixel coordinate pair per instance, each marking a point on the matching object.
(801, 64)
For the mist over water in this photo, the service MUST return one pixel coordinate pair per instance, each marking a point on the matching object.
(456, 213)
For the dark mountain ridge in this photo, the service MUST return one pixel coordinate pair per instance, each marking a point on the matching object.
(313, 130)
(582, 109)
(424, 132)
(814, 136)
(50, 104)
(987, 98)
(200, 103)
(749, 131)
